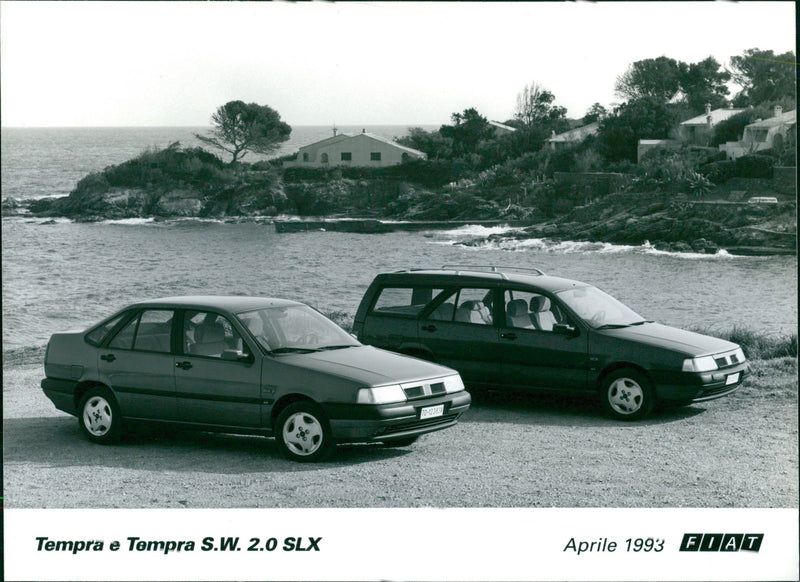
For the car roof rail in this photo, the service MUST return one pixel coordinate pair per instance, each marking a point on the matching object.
(494, 269)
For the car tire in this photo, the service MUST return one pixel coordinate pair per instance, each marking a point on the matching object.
(402, 442)
(627, 394)
(303, 432)
(99, 416)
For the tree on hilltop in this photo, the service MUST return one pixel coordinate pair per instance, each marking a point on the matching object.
(704, 83)
(763, 76)
(241, 127)
(669, 81)
(645, 118)
(535, 109)
(657, 79)
(595, 113)
(468, 130)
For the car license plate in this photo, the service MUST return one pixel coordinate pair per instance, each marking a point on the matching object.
(431, 412)
(732, 379)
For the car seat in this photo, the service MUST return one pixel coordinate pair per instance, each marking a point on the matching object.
(541, 315)
(473, 312)
(210, 340)
(517, 314)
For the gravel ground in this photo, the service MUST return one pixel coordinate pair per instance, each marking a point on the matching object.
(507, 451)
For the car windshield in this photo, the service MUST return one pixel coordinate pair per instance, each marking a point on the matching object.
(295, 328)
(599, 309)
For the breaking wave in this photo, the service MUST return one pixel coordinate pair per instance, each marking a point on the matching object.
(544, 245)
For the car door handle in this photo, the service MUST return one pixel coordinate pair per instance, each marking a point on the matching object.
(108, 357)
(510, 335)
(429, 327)
(183, 365)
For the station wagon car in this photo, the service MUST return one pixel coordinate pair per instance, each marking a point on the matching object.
(246, 365)
(521, 329)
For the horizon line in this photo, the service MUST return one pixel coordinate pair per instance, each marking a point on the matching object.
(338, 126)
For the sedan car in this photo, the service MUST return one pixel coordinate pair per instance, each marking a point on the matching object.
(510, 329)
(246, 365)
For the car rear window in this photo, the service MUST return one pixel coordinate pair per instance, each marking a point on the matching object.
(408, 301)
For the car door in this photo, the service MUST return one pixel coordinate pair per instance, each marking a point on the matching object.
(391, 322)
(536, 353)
(217, 377)
(459, 331)
(137, 363)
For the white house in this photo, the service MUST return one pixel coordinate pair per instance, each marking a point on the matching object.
(361, 150)
(699, 130)
(572, 137)
(763, 134)
(501, 128)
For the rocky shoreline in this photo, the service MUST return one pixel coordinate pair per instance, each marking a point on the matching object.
(675, 225)
(672, 223)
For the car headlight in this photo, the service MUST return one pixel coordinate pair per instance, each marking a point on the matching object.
(453, 384)
(739, 356)
(702, 364)
(381, 395)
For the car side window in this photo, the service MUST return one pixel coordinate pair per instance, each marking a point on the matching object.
(98, 334)
(154, 331)
(408, 301)
(527, 310)
(124, 338)
(211, 335)
(149, 331)
(467, 305)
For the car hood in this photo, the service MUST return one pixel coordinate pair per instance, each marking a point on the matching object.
(368, 365)
(671, 338)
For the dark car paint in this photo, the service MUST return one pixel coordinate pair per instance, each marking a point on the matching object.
(204, 395)
(553, 361)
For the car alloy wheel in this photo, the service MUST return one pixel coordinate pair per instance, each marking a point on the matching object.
(99, 417)
(627, 395)
(303, 432)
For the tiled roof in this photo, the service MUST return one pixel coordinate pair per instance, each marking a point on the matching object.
(716, 116)
(789, 118)
(576, 134)
(502, 126)
(395, 144)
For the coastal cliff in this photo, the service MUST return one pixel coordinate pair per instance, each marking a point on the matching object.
(176, 183)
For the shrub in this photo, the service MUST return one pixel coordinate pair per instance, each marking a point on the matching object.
(719, 172)
(93, 183)
(170, 164)
(754, 166)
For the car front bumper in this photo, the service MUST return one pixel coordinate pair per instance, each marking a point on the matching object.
(369, 423)
(699, 386)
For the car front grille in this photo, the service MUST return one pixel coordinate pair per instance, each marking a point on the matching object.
(416, 424)
(414, 391)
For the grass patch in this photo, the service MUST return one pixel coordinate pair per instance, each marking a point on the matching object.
(757, 346)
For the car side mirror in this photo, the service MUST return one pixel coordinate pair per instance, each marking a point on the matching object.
(565, 329)
(237, 356)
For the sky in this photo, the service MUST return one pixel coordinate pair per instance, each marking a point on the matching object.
(73, 64)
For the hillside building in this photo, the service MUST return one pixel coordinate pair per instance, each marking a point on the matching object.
(360, 150)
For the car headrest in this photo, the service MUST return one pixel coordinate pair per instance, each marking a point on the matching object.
(517, 308)
(212, 334)
(540, 303)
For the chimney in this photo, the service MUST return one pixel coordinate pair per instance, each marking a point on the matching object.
(708, 108)
(778, 111)
(364, 131)
(334, 130)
